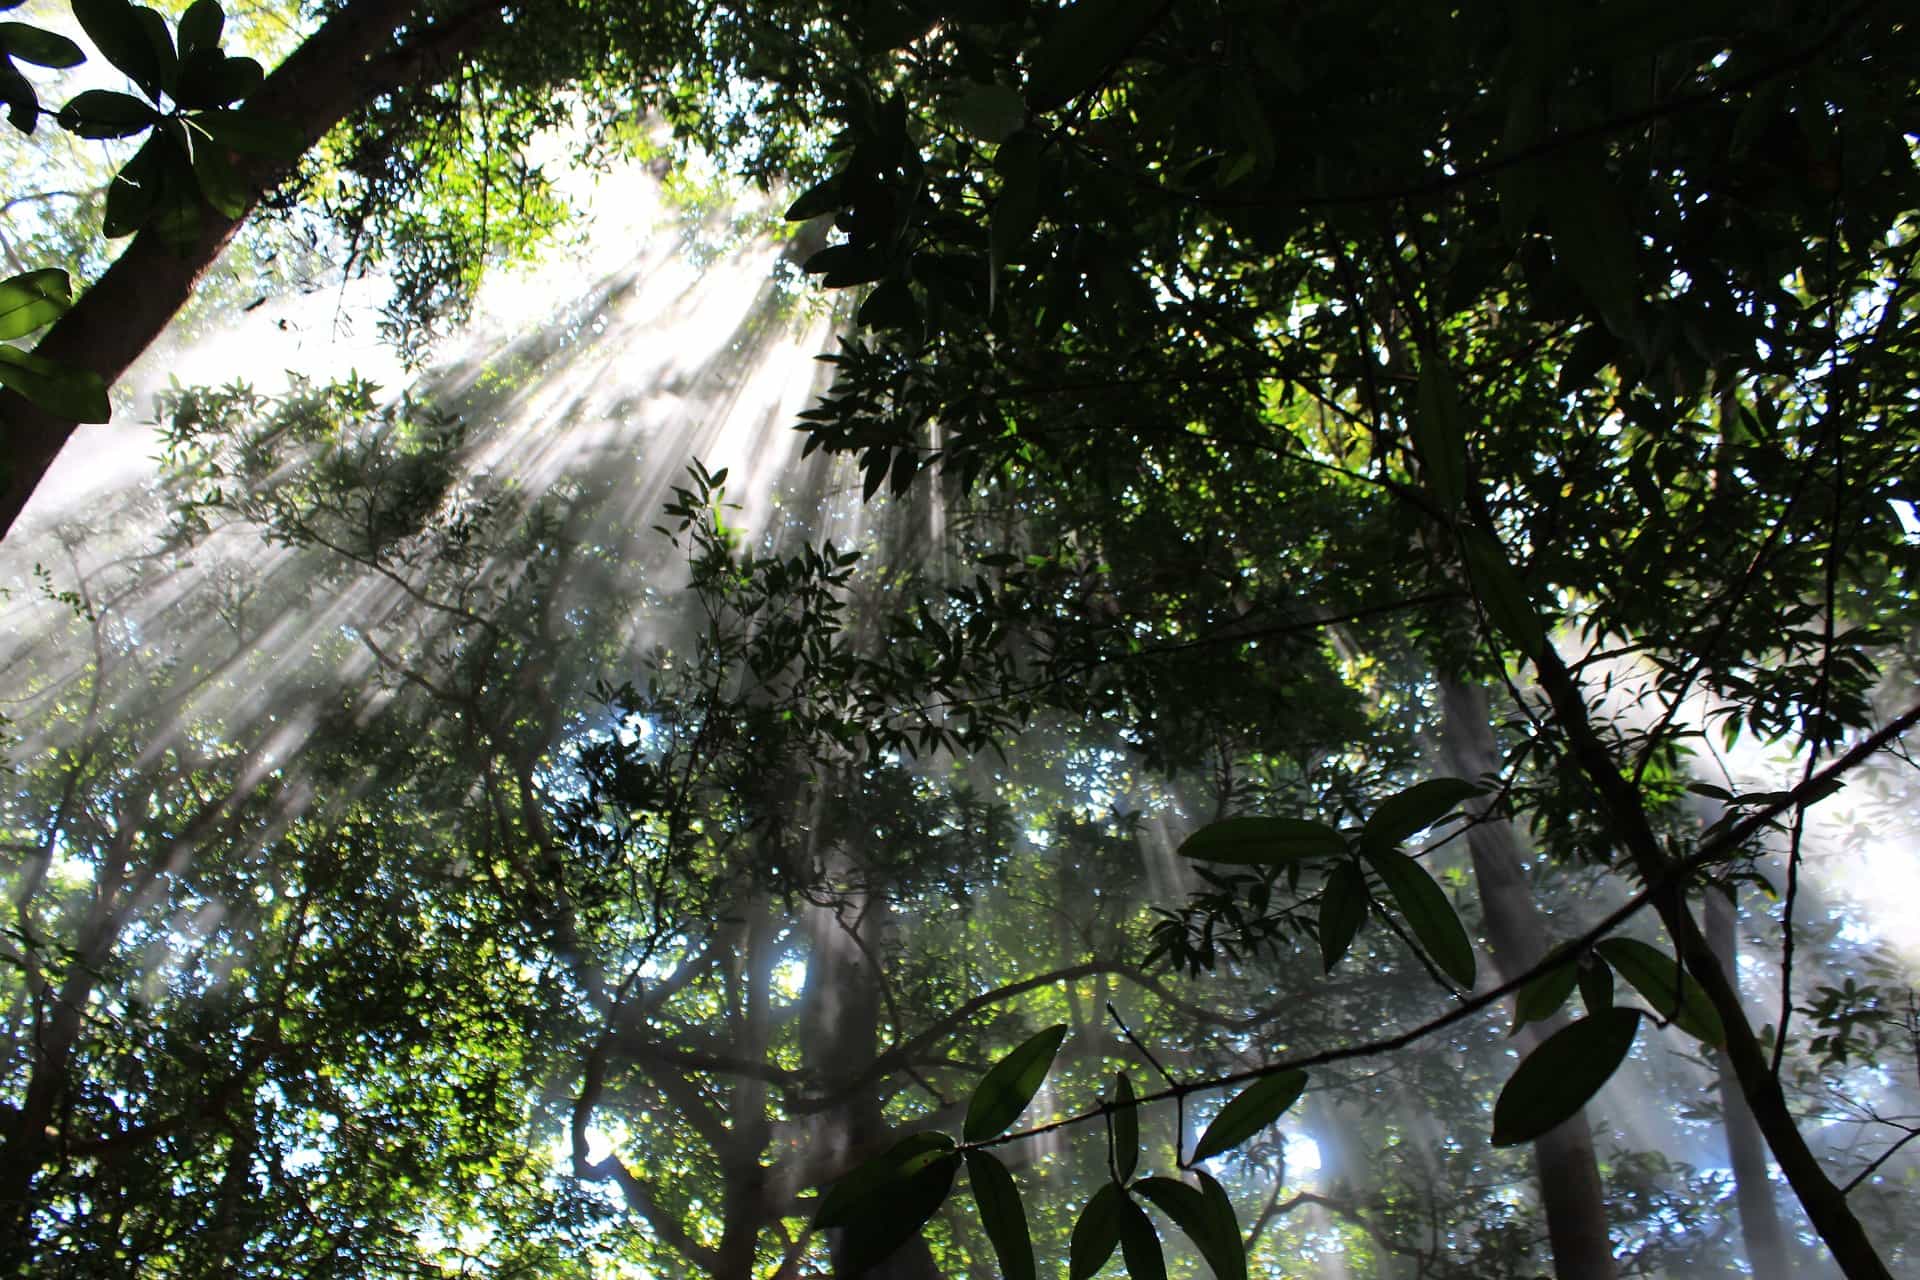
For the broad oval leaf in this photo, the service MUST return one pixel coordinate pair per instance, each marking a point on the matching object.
(78, 395)
(1214, 1234)
(911, 1153)
(1541, 998)
(1343, 906)
(1097, 1232)
(895, 1210)
(1010, 1084)
(117, 30)
(1256, 1107)
(1125, 1119)
(1426, 909)
(1002, 1214)
(33, 300)
(200, 26)
(1673, 993)
(1140, 1243)
(991, 112)
(102, 113)
(42, 48)
(1263, 842)
(1596, 984)
(1556, 1079)
(820, 199)
(1412, 811)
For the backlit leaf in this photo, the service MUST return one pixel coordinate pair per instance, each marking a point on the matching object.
(1140, 1243)
(1426, 909)
(1097, 1232)
(1673, 993)
(1010, 1084)
(843, 1199)
(1557, 1079)
(896, 1209)
(1253, 1109)
(1206, 1218)
(121, 36)
(1596, 984)
(200, 26)
(102, 113)
(1125, 1118)
(1501, 594)
(33, 300)
(76, 395)
(1262, 842)
(1414, 810)
(1002, 1214)
(1343, 906)
(1541, 998)
(1440, 434)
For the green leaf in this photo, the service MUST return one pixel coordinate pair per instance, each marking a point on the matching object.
(840, 265)
(247, 131)
(913, 1152)
(218, 181)
(990, 112)
(1140, 1243)
(1002, 1214)
(121, 36)
(1010, 1084)
(1125, 1119)
(1343, 906)
(1206, 1217)
(1097, 1233)
(1262, 842)
(1440, 434)
(818, 200)
(102, 113)
(1256, 1107)
(1593, 238)
(896, 1210)
(1596, 984)
(76, 395)
(1016, 211)
(1673, 993)
(135, 191)
(1541, 998)
(160, 41)
(209, 78)
(1502, 596)
(1557, 1078)
(33, 300)
(1424, 906)
(890, 306)
(1412, 811)
(42, 48)
(200, 27)
(1083, 43)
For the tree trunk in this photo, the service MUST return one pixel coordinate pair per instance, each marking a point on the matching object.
(1570, 1189)
(347, 62)
(1746, 1149)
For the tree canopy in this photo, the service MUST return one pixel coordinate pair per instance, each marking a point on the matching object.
(1235, 743)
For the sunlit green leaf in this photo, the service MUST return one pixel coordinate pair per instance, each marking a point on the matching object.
(1425, 907)
(1673, 993)
(1558, 1077)
(76, 395)
(33, 300)
(1010, 1084)
(1002, 1214)
(1253, 1109)
(1258, 841)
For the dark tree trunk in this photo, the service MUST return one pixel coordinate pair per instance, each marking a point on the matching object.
(1746, 1149)
(350, 59)
(1570, 1188)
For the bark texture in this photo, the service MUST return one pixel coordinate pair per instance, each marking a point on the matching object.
(1569, 1173)
(367, 48)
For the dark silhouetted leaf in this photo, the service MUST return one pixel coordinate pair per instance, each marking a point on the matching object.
(1140, 1243)
(1002, 1214)
(1086, 40)
(1262, 842)
(102, 113)
(210, 78)
(896, 1209)
(840, 265)
(33, 300)
(1424, 906)
(1674, 994)
(42, 48)
(1343, 905)
(120, 35)
(200, 26)
(818, 200)
(1010, 1084)
(23, 104)
(1543, 997)
(1596, 984)
(1440, 434)
(890, 306)
(1126, 1128)
(1593, 239)
(990, 112)
(1016, 211)
(1253, 1109)
(1097, 1233)
(1556, 1079)
(843, 1199)
(1413, 811)
(1214, 1233)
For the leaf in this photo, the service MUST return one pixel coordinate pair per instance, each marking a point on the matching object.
(1556, 1079)
(244, 130)
(1256, 1107)
(75, 395)
(1002, 1214)
(1262, 842)
(23, 104)
(200, 27)
(840, 265)
(218, 181)
(896, 1210)
(1673, 993)
(1502, 596)
(843, 1199)
(1140, 1243)
(1593, 238)
(990, 112)
(42, 48)
(1343, 905)
(890, 306)
(33, 300)
(1413, 811)
(1596, 984)
(1097, 1233)
(135, 191)
(1543, 997)
(1206, 1218)
(1125, 1133)
(120, 35)
(1083, 43)
(1424, 905)
(209, 78)
(1016, 212)
(818, 200)
(1440, 434)
(102, 113)
(1010, 1084)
